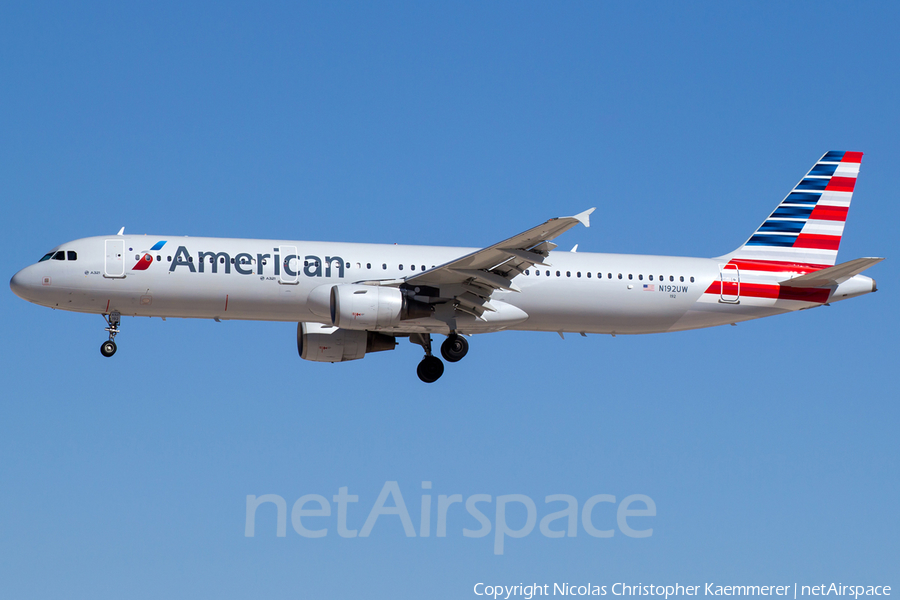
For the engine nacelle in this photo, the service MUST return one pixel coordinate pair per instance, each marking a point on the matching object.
(354, 306)
(323, 343)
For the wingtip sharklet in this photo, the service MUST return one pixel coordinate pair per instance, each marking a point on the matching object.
(585, 217)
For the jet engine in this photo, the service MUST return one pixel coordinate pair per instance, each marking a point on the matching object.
(322, 343)
(355, 306)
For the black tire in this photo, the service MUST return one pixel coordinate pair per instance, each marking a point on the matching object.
(454, 348)
(430, 369)
(108, 348)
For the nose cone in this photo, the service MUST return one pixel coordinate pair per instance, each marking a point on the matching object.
(22, 285)
(17, 285)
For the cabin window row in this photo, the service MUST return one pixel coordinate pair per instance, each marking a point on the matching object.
(71, 255)
(590, 275)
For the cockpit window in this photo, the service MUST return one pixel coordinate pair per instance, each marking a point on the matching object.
(59, 255)
(47, 256)
(71, 255)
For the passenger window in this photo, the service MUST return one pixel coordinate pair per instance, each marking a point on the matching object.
(609, 276)
(681, 279)
(169, 258)
(136, 257)
(70, 255)
(401, 267)
(384, 266)
(692, 280)
(221, 260)
(537, 272)
(423, 267)
(548, 273)
(651, 277)
(589, 274)
(630, 277)
(671, 278)
(368, 265)
(527, 272)
(620, 276)
(640, 277)
(568, 273)
(159, 258)
(578, 274)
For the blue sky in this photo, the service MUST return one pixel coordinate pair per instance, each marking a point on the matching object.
(769, 449)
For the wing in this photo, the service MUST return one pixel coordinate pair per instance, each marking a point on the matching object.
(469, 281)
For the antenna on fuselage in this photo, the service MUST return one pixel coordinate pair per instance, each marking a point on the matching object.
(121, 231)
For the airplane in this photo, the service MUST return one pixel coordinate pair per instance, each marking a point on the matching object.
(351, 299)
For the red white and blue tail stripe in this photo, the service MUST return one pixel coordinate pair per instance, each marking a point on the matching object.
(806, 228)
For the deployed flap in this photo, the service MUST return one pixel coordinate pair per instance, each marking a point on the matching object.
(468, 282)
(832, 275)
(495, 266)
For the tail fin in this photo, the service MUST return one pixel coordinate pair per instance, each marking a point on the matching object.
(806, 227)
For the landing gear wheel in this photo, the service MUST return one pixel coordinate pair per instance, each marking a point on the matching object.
(430, 369)
(108, 348)
(454, 348)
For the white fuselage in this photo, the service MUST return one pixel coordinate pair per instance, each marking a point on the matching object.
(272, 280)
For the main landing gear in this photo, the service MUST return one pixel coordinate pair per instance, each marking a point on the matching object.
(454, 348)
(431, 368)
(108, 348)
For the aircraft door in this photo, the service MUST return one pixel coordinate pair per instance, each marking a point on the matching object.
(730, 284)
(290, 265)
(114, 265)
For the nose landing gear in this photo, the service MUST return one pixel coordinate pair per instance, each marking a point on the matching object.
(108, 348)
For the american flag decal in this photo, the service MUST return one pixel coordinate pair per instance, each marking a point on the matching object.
(650, 288)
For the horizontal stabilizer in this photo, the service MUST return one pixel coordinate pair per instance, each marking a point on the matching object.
(832, 275)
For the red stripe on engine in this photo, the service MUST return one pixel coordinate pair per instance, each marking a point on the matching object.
(774, 291)
(852, 157)
(841, 184)
(829, 213)
(817, 241)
